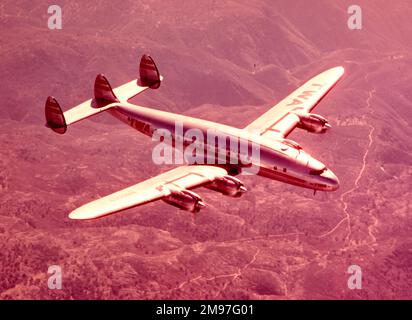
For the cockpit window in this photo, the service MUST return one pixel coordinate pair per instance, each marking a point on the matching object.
(318, 172)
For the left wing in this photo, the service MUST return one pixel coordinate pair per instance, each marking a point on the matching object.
(170, 186)
(281, 119)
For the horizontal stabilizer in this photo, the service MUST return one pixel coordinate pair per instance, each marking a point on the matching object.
(57, 120)
(104, 97)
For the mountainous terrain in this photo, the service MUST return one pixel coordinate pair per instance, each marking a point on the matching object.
(226, 61)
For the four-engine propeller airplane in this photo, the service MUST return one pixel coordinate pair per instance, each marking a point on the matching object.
(279, 158)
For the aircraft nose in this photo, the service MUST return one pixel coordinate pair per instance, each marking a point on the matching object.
(331, 180)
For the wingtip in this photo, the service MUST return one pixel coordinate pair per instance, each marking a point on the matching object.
(90, 211)
(338, 69)
(74, 215)
(81, 213)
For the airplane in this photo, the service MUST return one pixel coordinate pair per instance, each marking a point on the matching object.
(279, 158)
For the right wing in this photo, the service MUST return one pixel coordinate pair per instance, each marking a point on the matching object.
(177, 180)
(281, 119)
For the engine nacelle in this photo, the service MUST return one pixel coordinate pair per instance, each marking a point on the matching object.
(185, 200)
(228, 185)
(313, 123)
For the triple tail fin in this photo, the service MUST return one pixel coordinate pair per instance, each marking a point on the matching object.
(54, 116)
(103, 92)
(149, 75)
(104, 97)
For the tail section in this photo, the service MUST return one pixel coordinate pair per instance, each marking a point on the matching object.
(149, 75)
(104, 97)
(54, 116)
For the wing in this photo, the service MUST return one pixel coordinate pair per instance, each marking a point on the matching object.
(159, 187)
(281, 119)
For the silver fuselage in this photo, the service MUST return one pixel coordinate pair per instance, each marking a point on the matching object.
(276, 160)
